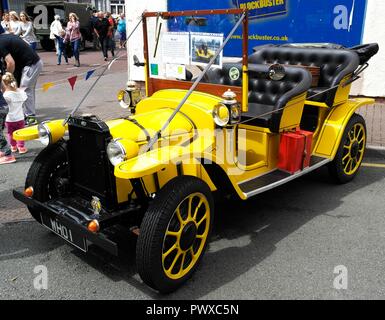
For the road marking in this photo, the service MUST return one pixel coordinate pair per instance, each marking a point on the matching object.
(374, 165)
(263, 228)
(72, 68)
(7, 255)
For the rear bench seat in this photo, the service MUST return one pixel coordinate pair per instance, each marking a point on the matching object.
(334, 66)
(266, 95)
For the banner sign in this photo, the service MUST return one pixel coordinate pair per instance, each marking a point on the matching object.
(285, 21)
(262, 8)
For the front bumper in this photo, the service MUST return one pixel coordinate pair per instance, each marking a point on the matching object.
(76, 220)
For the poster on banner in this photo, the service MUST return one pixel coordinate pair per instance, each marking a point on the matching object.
(204, 46)
(176, 71)
(176, 48)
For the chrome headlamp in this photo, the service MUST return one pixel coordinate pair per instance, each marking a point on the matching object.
(45, 136)
(221, 115)
(228, 112)
(124, 99)
(120, 150)
(116, 152)
(130, 97)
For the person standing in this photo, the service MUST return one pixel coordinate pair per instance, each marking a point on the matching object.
(122, 31)
(62, 48)
(15, 119)
(74, 36)
(56, 29)
(6, 22)
(101, 29)
(5, 150)
(111, 33)
(93, 19)
(27, 32)
(21, 60)
(14, 23)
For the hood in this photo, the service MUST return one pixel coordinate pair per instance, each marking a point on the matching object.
(142, 127)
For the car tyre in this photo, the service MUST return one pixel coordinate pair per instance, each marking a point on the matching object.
(350, 153)
(50, 164)
(174, 233)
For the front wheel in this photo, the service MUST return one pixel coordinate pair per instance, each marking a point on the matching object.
(46, 172)
(351, 151)
(174, 233)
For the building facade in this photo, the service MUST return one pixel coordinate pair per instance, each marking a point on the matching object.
(114, 6)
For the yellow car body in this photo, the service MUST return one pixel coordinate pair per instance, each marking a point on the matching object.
(156, 169)
(155, 110)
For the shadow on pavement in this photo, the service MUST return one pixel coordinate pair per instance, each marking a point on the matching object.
(25, 239)
(265, 220)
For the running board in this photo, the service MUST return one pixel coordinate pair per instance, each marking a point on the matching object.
(277, 177)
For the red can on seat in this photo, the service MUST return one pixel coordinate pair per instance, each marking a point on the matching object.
(295, 151)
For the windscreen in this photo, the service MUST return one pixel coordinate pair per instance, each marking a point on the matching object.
(180, 47)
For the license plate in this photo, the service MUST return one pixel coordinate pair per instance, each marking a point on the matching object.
(64, 232)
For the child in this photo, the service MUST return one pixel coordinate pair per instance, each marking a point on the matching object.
(5, 151)
(61, 47)
(15, 119)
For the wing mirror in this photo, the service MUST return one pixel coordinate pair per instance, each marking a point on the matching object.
(137, 63)
(277, 72)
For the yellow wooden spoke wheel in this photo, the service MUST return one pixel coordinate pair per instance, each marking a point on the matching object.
(351, 151)
(174, 233)
(354, 149)
(186, 236)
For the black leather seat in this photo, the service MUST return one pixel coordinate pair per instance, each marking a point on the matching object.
(334, 65)
(222, 75)
(265, 95)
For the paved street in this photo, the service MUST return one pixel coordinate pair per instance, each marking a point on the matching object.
(283, 244)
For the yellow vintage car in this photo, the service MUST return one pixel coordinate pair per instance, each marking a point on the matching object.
(239, 129)
(204, 54)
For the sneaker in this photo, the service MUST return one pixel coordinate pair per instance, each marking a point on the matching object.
(7, 159)
(13, 149)
(22, 150)
(30, 121)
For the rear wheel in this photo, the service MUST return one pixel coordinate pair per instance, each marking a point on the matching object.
(45, 174)
(174, 233)
(351, 151)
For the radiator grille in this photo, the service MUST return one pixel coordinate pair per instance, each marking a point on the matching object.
(91, 173)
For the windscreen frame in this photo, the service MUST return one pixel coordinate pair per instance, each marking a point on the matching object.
(153, 84)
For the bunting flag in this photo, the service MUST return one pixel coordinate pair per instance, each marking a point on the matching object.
(72, 81)
(47, 86)
(89, 74)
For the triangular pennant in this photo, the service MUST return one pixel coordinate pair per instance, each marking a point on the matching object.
(47, 85)
(72, 81)
(89, 74)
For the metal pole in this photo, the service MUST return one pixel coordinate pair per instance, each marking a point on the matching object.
(155, 138)
(98, 78)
